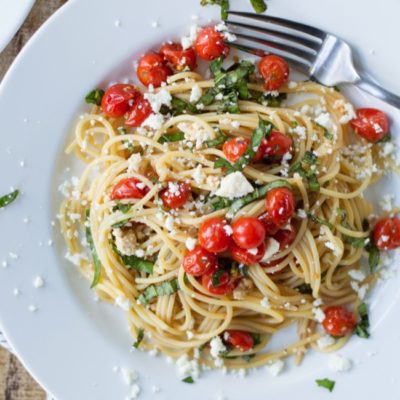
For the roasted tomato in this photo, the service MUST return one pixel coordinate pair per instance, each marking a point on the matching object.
(386, 233)
(177, 57)
(338, 321)
(210, 44)
(274, 70)
(118, 99)
(371, 124)
(152, 70)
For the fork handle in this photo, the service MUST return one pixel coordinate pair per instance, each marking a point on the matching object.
(368, 85)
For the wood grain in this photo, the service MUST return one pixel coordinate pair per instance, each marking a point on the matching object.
(15, 382)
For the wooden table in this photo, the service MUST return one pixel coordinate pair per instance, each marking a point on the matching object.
(15, 382)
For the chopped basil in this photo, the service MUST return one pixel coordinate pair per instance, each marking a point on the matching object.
(171, 137)
(243, 269)
(259, 6)
(362, 327)
(139, 338)
(94, 97)
(327, 134)
(386, 138)
(220, 139)
(218, 203)
(230, 103)
(255, 195)
(178, 107)
(165, 289)
(248, 357)
(326, 383)
(216, 277)
(256, 338)
(320, 221)
(124, 208)
(96, 261)
(8, 198)
(188, 379)
(120, 224)
(137, 263)
(306, 169)
(374, 255)
(304, 288)
(222, 163)
(357, 243)
(267, 99)
(224, 4)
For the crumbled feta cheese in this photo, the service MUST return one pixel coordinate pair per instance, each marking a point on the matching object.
(234, 185)
(228, 36)
(188, 367)
(157, 100)
(134, 163)
(324, 120)
(32, 308)
(187, 41)
(123, 302)
(155, 24)
(16, 292)
(357, 275)
(319, 315)
(195, 94)
(125, 241)
(253, 251)
(325, 341)
(117, 23)
(301, 213)
(216, 346)
(189, 335)
(198, 175)
(244, 286)
(339, 364)
(128, 375)
(75, 258)
(275, 367)
(265, 302)
(154, 121)
(300, 131)
(190, 243)
(155, 389)
(292, 85)
(194, 132)
(386, 202)
(273, 247)
(38, 282)
(228, 230)
(134, 393)
(360, 290)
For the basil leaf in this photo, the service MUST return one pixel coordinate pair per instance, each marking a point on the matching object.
(178, 107)
(362, 327)
(357, 243)
(327, 134)
(216, 277)
(221, 139)
(259, 6)
(230, 103)
(188, 379)
(120, 224)
(96, 261)
(124, 208)
(94, 97)
(306, 169)
(208, 97)
(224, 4)
(304, 288)
(256, 338)
(231, 79)
(374, 255)
(257, 194)
(216, 66)
(326, 383)
(222, 163)
(139, 338)
(165, 289)
(137, 263)
(267, 99)
(218, 203)
(171, 137)
(8, 198)
(320, 221)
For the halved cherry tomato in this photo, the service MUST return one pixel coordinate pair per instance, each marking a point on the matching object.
(286, 237)
(139, 112)
(338, 321)
(210, 44)
(371, 124)
(248, 232)
(235, 147)
(152, 70)
(274, 70)
(118, 99)
(247, 256)
(270, 227)
(198, 261)
(129, 188)
(275, 147)
(218, 281)
(214, 235)
(279, 204)
(176, 194)
(180, 59)
(241, 340)
(386, 233)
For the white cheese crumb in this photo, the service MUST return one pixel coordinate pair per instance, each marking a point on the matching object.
(154, 121)
(195, 94)
(216, 346)
(194, 132)
(189, 335)
(275, 367)
(319, 315)
(38, 282)
(117, 23)
(187, 41)
(301, 213)
(12, 255)
(134, 163)
(188, 367)
(292, 85)
(273, 247)
(198, 175)
(387, 202)
(190, 243)
(228, 230)
(4, 264)
(339, 363)
(234, 185)
(134, 393)
(123, 302)
(357, 275)
(125, 241)
(265, 302)
(32, 308)
(155, 24)
(228, 36)
(325, 341)
(157, 100)
(128, 375)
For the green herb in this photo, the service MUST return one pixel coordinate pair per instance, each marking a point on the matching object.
(124, 208)
(386, 138)
(224, 4)
(259, 6)
(171, 137)
(94, 97)
(243, 269)
(230, 103)
(208, 97)
(304, 288)
(218, 203)
(178, 107)
(327, 134)
(216, 277)
(267, 99)
(222, 163)
(139, 338)
(306, 169)
(256, 338)
(320, 221)
(374, 255)
(263, 130)
(96, 261)
(137, 263)
(362, 327)
(188, 379)
(326, 383)
(255, 195)
(8, 198)
(220, 139)
(165, 289)
(231, 79)
(357, 243)
(120, 224)
(248, 357)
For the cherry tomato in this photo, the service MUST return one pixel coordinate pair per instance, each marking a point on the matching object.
(279, 204)
(129, 188)
(247, 256)
(285, 237)
(270, 227)
(218, 281)
(248, 232)
(371, 124)
(152, 70)
(198, 261)
(275, 147)
(338, 321)
(235, 147)
(176, 194)
(386, 233)
(214, 235)
(241, 340)
(118, 99)
(274, 70)
(139, 112)
(180, 59)
(210, 44)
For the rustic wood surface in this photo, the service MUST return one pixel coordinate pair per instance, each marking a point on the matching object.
(15, 382)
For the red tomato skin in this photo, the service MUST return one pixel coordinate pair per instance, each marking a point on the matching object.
(270, 227)
(234, 148)
(227, 284)
(176, 194)
(275, 147)
(274, 70)
(127, 189)
(139, 112)
(280, 206)
(152, 70)
(388, 229)
(213, 235)
(371, 124)
(248, 232)
(180, 59)
(243, 256)
(117, 99)
(240, 340)
(198, 261)
(286, 237)
(210, 45)
(338, 321)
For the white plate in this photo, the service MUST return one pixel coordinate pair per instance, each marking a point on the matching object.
(12, 15)
(71, 343)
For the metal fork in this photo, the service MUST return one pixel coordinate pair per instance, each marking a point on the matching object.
(316, 53)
